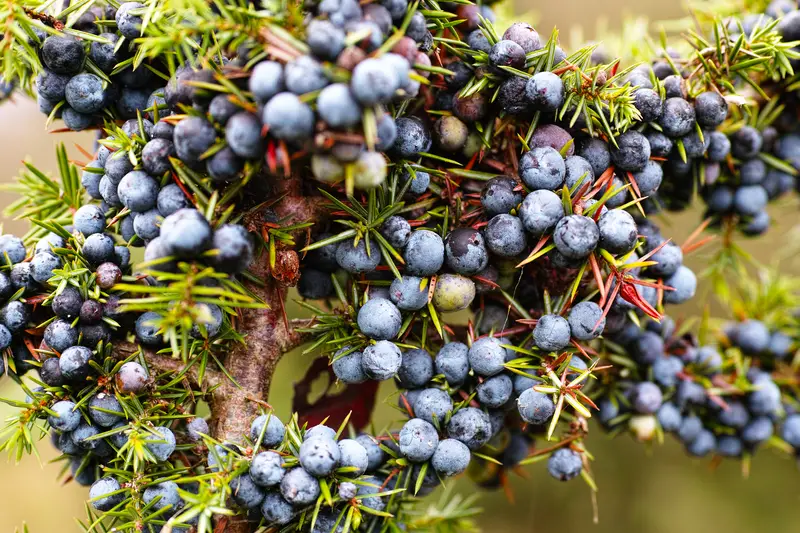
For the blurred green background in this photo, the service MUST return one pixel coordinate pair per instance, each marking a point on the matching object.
(642, 489)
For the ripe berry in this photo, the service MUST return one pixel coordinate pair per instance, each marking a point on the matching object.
(379, 319)
(299, 488)
(452, 361)
(564, 464)
(506, 53)
(418, 440)
(552, 333)
(542, 168)
(499, 197)
(505, 236)
(381, 360)
(576, 236)
(288, 118)
(678, 117)
(85, 94)
(186, 233)
(618, 231)
(128, 24)
(711, 109)
(62, 55)
(131, 378)
(534, 407)
(545, 91)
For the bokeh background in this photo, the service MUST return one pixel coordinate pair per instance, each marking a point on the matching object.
(643, 489)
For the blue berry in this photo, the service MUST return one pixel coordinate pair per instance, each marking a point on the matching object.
(266, 80)
(42, 266)
(193, 136)
(66, 418)
(105, 410)
(746, 142)
(540, 212)
(499, 197)
(506, 53)
(234, 248)
(578, 174)
(470, 426)
(319, 456)
(564, 464)
(379, 319)
(646, 397)
(272, 435)
(171, 199)
(424, 253)
(128, 24)
(412, 137)
(348, 368)
(487, 356)
(161, 444)
(74, 363)
(711, 109)
(276, 510)
(101, 494)
(586, 321)
(163, 495)
(535, 407)
(243, 135)
(418, 440)
(684, 282)
(299, 488)
(62, 54)
(85, 94)
(466, 251)
(678, 117)
(505, 236)
(729, 446)
(790, 432)
(618, 231)
(542, 168)
(703, 444)
(669, 258)
(408, 294)
(416, 369)
(155, 156)
(372, 82)
(453, 362)
(432, 405)
(381, 360)
(495, 391)
(545, 91)
(324, 39)
(196, 429)
(632, 151)
(337, 106)
(648, 103)
(576, 236)
(353, 456)
(186, 233)
(552, 333)
(356, 259)
(266, 469)
(765, 399)
(451, 458)
(757, 431)
(669, 417)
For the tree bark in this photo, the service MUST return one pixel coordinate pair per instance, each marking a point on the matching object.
(267, 335)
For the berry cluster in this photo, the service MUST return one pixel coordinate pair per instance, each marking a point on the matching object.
(399, 162)
(85, 81)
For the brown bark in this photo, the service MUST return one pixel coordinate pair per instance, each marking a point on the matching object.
(267, 336)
